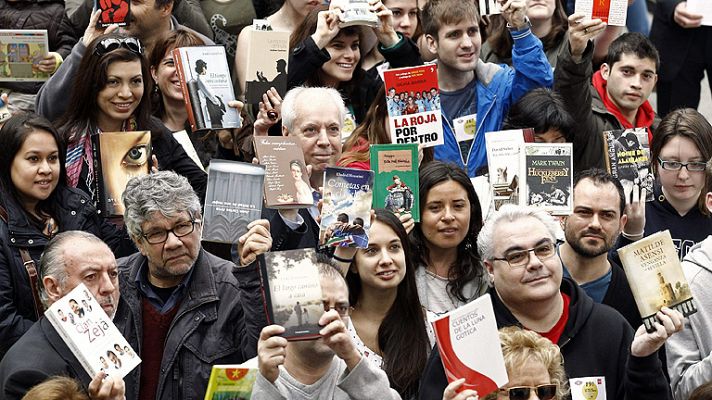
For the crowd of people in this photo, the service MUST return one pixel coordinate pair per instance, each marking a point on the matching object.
(562, 302)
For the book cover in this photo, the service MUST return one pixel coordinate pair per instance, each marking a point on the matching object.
(187, 145)
(20, 54)
(472, 326)
(701, 7)
(91, 335)
(113, 12)
(292, 292)
(286, 179)
(612, 12)
(413, 101)
(4, 112)
(652, 266)
(547, 170)
(230, 382)
(627, 156)
(346, 207)
(503, 148)
(118, 157)
(396, 180)
(207, 87)
(357, 12)
(490, 7)
(233, 199)
(267, 61)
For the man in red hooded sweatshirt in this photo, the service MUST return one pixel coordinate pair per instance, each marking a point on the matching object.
(615, 97)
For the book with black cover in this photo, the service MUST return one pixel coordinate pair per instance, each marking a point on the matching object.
(113, 12)
(627, 155)
(547, 177)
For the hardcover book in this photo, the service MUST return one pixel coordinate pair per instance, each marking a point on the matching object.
(113, 12)
(91, 335)
(346, 207)
(118, 157)
(547, 169)
(612, 12)
(627, 156)
(292, 292)
(413, 102)
(396, 180)
(472, 326)
(230, 382)
(357, 12)
(267, 61)
(503, 148)
(20, 54)
(233, 199)
(652, 266)
(207, 87)
(286, 183)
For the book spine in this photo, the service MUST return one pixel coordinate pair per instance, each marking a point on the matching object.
(70, 342)
(266, 297)
(178, 60)
(101, 203)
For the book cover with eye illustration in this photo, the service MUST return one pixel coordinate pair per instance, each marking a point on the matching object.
(20, 54)
(346, 207)
(118, 157)
(396, 181)
(113, 12)
(267, 60)
(286, 180)
(547, 177)
(627, 156)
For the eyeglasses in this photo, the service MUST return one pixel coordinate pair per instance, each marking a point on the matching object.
(179, 230)
(341, 308)
(520, 258)
(543, 392)
(694, 166)
(110, 44)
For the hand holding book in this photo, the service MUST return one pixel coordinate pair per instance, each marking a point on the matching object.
(335, 335)
(104, 387)
(451, 393)
(385, 31)
(92, 32)
(635, 210)
(256, 241)
(645, 343)
(581, 30)
(271, 351)
(327, 26)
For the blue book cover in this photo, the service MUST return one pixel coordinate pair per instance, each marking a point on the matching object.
(346, 207)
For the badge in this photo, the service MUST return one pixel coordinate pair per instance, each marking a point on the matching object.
(465, 127)
(589, 388)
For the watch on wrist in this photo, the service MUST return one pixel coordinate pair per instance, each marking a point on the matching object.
(527, 23)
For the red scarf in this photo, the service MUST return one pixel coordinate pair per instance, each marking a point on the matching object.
(643, 119)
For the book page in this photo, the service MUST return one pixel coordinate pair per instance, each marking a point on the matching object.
(703, 7)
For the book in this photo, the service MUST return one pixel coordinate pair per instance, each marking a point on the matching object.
(503, 149)
(233, 199)
(118, 157)
(457, 333)
(627, 156)
(4, 111)
(702, 7)
(396, 180)
(91, 335)
(413, 102)
(183, 138)
(20, 54)
(547, 171)
(292, 292)
(346, 207)
(652, 266)
(490, 7)
(267, 61)
(612, 12)
(357, 12)
(286, 179)
(113, 12)
(207, 87)
(230, 382)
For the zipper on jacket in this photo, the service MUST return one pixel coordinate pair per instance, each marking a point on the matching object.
(477, 131)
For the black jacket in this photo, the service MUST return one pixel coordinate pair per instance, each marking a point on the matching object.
(595, 342)
(285, 238)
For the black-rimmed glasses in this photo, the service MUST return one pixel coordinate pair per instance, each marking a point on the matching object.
(520, 258)
(179, 230)
(110, 44)
(693, 166)
(543, 392)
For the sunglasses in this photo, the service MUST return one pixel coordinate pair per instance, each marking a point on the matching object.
(543, 392)
(110, 44)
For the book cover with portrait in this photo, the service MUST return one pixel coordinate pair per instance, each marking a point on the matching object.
(547, 170)
(346, 207)
(627, 155)
(207, 87)
(91, 335)
(267, 60)
(503, 149)
(21, 51)
(286, 179)
(396, 183)
(230, 382)
(292, 292)
(113, 12)
(118, 157)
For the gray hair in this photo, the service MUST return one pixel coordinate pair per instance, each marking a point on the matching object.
(511, 213)
(165, 192)
(289, 103)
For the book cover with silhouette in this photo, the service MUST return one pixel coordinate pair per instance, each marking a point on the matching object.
(207, 87)
(230, 382)
(20, 54)
(457, 333)
(396, 184)
(547, 171)
(652, 266)
(118, 157)
(627, 155)
(91, 335)
(267, 61)
(286, 179)
(503, 158)
(346, 207)
(612, 12)
(113, 12)
(233, 199)
(292, 292)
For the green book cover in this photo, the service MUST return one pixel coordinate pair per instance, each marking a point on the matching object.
(396, 184)
(229, 382)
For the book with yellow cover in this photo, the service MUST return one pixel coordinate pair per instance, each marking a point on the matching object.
(229, 382)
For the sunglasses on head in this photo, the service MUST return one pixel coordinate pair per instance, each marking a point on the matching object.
(543, 392)
(110, 44)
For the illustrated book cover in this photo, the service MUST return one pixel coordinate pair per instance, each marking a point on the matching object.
(267, 63)
(346, 207)
(652, 266)
(91, 335)
(612, 12)
(396, 180)
(286, 179)
(627, 155)
(472, 326)
(547, 170)
(503, 158)
(292, 292)
(20, 54)
(113, 12)
(207, 87)
(357, 12)
(230, 382)
(233, 199)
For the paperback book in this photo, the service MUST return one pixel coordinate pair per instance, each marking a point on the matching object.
(113, 12)
(267, 61)
(91, 335)
(503, 158)
(292, 292)
(547, 169)
(286, 183)
(413, 102)
(357, 12)
(396, 180)
(627, 156)
(233, 199)
(652, 266)
(230, 382)
(457, 333)
(207, 87)
(20, 54)
(346, 207)
(612, 12)
(490, 7)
